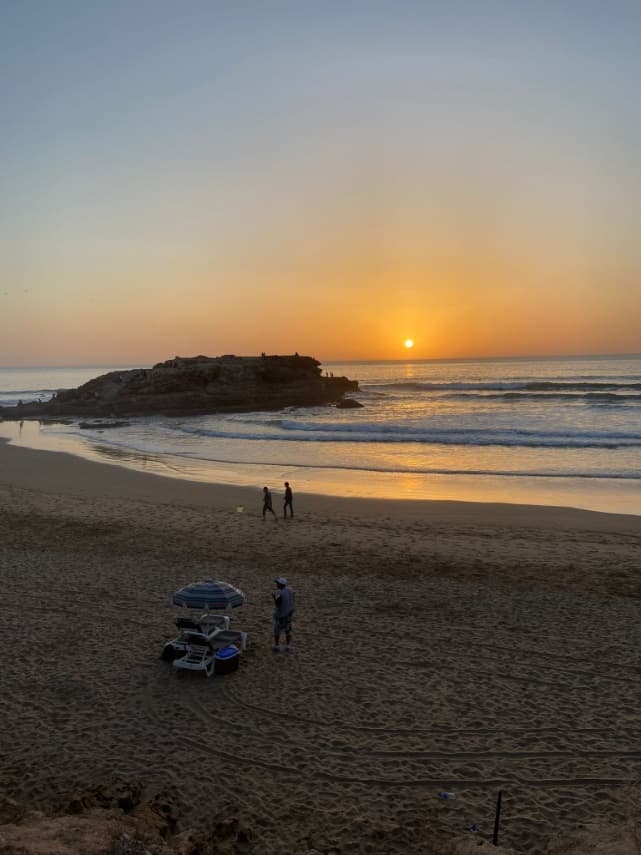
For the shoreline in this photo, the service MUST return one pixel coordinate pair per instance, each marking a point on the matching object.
(59, 471)
(602, 494)
(438, 646)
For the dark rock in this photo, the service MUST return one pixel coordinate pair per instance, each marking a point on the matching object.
(194, 385)
(348, 404)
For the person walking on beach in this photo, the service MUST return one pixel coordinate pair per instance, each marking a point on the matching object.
(267, 503)
(283, 598)
(289, 498)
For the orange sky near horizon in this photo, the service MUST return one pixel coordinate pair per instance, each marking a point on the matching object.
(450, 319)
(330, 182)
(359, 301)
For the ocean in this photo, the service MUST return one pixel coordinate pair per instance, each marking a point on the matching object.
(553, 431)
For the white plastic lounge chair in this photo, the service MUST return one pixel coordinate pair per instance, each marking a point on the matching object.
(195, 631)
(229, 636)
(208, 623)
(199, 657)
(200, 636)
(205, 624)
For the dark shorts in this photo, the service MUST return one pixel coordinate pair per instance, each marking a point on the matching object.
(283, 624)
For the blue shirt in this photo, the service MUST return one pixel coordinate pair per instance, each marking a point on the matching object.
(284, 599)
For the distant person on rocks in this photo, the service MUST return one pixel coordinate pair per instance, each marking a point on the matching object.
(283, 598)
(267, 503)
(289, 498)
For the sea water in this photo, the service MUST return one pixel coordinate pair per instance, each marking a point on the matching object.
(555, 431)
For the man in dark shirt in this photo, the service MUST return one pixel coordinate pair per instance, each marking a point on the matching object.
(289, 497)
(267, 503)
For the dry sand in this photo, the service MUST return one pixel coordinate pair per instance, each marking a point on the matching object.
(439, 646)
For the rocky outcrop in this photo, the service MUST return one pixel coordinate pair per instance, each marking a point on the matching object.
(195, 385)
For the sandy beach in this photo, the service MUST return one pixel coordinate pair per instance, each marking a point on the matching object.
(438, 647)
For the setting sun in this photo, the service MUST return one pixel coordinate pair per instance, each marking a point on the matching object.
(409, 343)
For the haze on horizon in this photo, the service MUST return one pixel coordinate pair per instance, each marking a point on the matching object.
(329, 178)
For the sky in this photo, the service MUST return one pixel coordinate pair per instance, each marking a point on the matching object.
(331, 178)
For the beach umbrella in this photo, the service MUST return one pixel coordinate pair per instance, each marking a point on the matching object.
(209, 594)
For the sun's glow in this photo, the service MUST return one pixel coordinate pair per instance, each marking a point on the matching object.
(409, 343)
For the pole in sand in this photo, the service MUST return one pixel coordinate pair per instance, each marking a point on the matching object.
(497, 815)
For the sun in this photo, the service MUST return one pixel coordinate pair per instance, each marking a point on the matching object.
(409, 343)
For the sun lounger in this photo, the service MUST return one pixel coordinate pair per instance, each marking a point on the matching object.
(206, 623)
(229, 636)
(199, 657)
(206, 630)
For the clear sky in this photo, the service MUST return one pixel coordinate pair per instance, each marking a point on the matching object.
(323, 177)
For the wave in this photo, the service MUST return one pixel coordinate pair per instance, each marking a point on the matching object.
(35, 392)
(501, 386)
(503, 473)
(12, 396)
(589, 397)
(297, 431)
(111, 447)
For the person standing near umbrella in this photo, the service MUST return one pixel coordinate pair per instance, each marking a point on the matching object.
(283, 598)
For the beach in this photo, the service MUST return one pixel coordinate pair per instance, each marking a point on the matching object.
(440, 647)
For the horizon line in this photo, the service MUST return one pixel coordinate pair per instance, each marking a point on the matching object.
(333, 361)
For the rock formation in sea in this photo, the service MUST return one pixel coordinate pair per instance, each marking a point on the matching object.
(195, 385)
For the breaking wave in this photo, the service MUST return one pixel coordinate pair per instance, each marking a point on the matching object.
(299, 431)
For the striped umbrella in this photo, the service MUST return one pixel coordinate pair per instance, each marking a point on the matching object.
(209, 595)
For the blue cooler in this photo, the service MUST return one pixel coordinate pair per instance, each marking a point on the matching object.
(226, 660)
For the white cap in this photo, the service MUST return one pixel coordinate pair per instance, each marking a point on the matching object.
(281, 580)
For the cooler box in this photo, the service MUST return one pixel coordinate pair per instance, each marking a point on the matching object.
(226, 660)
